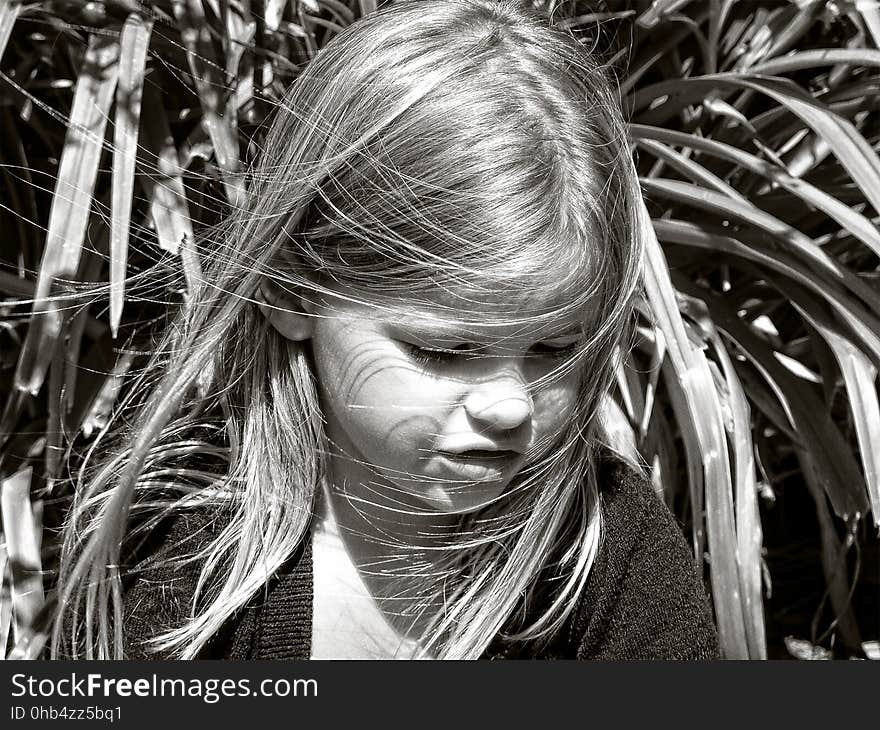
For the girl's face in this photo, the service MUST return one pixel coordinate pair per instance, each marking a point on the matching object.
(421, 412)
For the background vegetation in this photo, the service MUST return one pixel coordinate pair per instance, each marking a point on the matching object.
(126, 126)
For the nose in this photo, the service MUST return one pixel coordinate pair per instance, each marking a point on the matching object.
(501, 403)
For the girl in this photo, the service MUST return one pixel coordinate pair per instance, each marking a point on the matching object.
(371, 430)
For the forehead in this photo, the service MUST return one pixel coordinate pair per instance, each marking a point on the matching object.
(477, 311)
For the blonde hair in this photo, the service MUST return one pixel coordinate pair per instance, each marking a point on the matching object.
(433, 143)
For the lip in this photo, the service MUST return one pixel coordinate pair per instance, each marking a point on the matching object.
(465, 443)
(481, 464)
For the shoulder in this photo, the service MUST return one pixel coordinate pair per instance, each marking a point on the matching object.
(644, 597)
(158, 590)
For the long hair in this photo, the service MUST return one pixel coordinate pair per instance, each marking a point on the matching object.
(432, 144)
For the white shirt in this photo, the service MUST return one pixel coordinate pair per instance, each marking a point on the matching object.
(347, 623)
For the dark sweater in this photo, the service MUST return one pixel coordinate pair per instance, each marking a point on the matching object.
(643, 600)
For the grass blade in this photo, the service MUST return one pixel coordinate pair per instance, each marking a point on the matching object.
(817, 57)
(691, 370)
(834, 563)
(192, 268)
(856, 223)
(660, 10)
(8, 14)
(630, 392)
(133, 45)
(5, 601)
(618, 429)
(273, 13)
(693, 455)
(55, 396)
(863, 324)
(211, 86)
(749, 537)
(655, 52)
(848, 145)
(71, 203)
(860, 376)
(816, 432)
(23, 550)
(846, 142)
(689, 168)
(846, 325)
(99, 410)
(660, 450)
(164, 185)
(870, 13)
(795, 241)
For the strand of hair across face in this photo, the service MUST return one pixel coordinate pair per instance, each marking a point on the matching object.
(327, 140)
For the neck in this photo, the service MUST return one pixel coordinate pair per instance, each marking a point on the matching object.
(396, 546)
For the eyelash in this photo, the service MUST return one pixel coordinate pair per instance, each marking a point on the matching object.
(428, 356)
(557, 352)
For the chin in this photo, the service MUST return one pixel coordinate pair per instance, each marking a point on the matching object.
(459, 500)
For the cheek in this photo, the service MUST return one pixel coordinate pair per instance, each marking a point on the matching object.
(554, 407)
(389, 392)
(384, 403)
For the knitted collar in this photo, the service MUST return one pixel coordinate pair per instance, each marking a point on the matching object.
(280, 625)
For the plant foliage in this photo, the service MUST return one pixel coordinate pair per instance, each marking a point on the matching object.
(128, 126)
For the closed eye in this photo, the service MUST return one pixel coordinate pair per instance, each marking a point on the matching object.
(435, 355)
(545, 349)
(440, 355)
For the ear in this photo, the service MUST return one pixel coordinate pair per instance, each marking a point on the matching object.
(289, 313)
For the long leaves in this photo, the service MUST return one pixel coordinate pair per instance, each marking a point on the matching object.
(9, 10)
(129, 91)
(754, 125)
(211, 84)
(854, 152)
(162, 178)
(71, 203)
(22, 536)
(700, 398)
(860, 376)
(850, 219)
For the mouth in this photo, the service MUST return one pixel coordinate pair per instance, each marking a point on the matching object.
(479, 465)
(483, 455)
